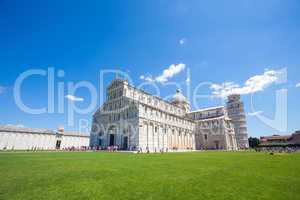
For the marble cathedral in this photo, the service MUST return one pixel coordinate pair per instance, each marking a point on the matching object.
(135, 120)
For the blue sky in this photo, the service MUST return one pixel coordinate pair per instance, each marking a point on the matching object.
(219, 42)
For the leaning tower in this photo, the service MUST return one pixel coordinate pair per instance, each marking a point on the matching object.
(235, 109)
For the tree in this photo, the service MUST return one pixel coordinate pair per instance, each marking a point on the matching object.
(253, 142)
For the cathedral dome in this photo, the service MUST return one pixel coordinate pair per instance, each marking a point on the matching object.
(179, 98)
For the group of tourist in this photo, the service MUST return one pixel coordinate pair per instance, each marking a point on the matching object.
(278, 149)
(113, 148)
(83, 148)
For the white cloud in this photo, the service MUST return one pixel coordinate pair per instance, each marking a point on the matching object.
(168, 73)
(253, 84)
(255, 113)
(188, 80)
(16, 125)
(298, 85)
(182, 41)
(73, 98)
(146, 78)
(149, 79)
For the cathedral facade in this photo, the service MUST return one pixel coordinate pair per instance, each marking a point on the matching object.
(135, 120)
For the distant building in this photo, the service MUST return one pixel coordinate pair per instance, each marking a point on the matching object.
(274, 139)
(295, 138)
(279, 142)
(133, 119)
(19, 138)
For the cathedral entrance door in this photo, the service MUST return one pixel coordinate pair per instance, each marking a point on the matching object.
(217, 144)
(125, 143)
(58, 143)
(111, 140)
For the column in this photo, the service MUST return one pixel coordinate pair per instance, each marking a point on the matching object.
(193, 142)
(147, 136)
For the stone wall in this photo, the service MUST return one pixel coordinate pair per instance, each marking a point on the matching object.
(17, 138)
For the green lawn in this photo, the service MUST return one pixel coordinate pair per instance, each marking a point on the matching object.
(201, 175)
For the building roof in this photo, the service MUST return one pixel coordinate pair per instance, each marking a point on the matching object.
(212, 118)
(177, 97)
(275, 137)
(207, 109)
(143, 91)
(17, 129)
(76, 134)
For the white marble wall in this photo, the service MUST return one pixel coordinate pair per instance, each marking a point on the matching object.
(74, 141)
(27, 141)
(215, 133)
(38, 141)
(152, 137)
